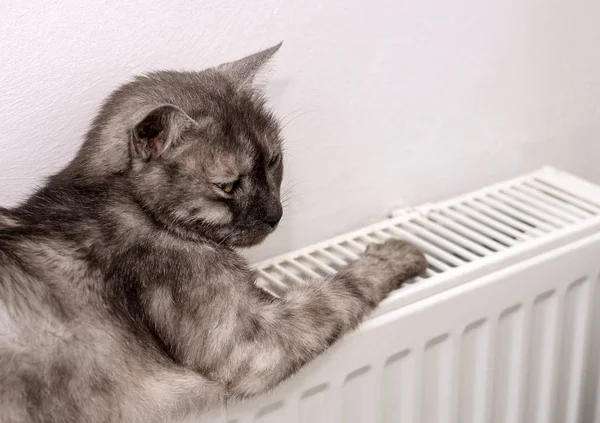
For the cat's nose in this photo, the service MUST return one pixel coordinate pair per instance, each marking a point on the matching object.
(272, 217)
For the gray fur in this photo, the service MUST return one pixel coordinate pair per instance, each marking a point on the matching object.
(122, 297)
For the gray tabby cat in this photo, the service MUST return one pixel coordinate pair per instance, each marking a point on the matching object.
(122, 297)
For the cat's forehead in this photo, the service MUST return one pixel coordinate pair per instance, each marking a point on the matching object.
(238, 133)
(227, 158)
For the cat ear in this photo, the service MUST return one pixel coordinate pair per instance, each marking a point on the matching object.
(159, 130)
(244, 71)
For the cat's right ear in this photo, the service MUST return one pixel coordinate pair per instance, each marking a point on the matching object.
(159, 131)
(243, 72)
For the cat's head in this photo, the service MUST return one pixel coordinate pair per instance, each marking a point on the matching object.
(204, 155)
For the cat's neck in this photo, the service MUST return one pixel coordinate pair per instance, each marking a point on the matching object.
(101, 212)
(75, 209)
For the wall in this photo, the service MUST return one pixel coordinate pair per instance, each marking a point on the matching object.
(384, 101)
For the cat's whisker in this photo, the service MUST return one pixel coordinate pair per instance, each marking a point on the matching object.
(291, 183)
(288, 203)
(285, 125)
(288, 195)
(290, 115)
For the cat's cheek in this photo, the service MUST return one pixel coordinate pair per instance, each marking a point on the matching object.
(214, 215)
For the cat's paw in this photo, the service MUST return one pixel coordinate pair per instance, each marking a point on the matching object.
(405, 260)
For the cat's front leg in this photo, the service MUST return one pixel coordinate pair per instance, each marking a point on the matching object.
(275, 337)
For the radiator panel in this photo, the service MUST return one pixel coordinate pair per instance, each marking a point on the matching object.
(496, 350)
(500, 330)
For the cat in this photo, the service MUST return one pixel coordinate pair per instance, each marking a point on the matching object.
(122, 296)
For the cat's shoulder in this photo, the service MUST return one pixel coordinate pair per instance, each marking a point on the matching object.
(185, 259)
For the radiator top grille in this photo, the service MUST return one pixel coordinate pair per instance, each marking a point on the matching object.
(457, 233)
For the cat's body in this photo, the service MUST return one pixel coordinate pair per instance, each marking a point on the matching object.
(121, 295)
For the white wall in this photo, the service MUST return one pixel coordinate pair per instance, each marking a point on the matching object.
(386, 100)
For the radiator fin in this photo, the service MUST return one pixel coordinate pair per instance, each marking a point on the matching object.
(574, 340)
(508, 366)
(543, 347)
(474, 371)
(399, 379)
(453, 234)
(315, 406)
(358, 392)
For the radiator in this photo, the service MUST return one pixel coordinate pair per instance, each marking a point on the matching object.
(502, 328)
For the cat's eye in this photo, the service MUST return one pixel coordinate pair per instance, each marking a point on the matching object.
(274, 160)
(227, 187)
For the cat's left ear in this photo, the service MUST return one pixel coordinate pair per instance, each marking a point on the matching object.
(244, 71)
(159, 131)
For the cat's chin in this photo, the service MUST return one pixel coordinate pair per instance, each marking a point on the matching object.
(251, 241)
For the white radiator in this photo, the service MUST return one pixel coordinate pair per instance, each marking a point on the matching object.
(502, 328)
